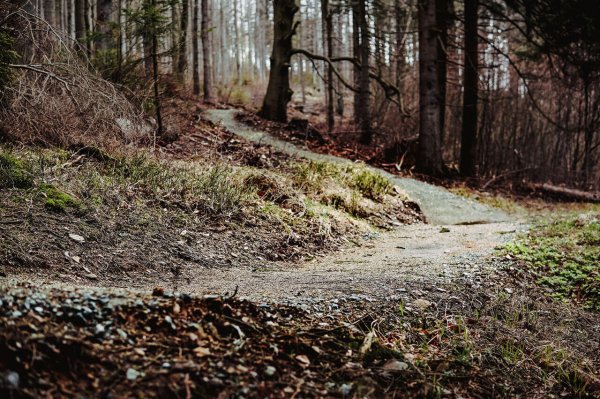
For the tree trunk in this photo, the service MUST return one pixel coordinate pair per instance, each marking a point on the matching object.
(442, 14)
(328, 45)
(104, 10)
(237, 43)
(278, 90)
(356, 55)
(50, 12)
(182, 61)
(366, 133)
(80, 6)
(468, 149)
(429, 159)
(195, 60)
(206, 53)
(157, 105)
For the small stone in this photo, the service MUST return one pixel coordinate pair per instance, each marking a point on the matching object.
(100, 329)
(508, 290)
(132, 374)
(16, 314)
(270, 370)
(122, 333)
(395, 366)
(76, 238)
(158, 291)
(421, 304)
(166, 365)
(12, 380)
(345, 389)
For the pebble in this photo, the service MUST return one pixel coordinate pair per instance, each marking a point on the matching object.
(99, 329)
(132, 374)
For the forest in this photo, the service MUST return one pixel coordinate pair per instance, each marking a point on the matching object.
(299, 198)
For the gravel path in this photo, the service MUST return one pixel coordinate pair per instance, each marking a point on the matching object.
(440, 206)
(455, 245)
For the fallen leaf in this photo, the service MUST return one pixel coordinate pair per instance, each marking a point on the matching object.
(201, 351)
(303, 360)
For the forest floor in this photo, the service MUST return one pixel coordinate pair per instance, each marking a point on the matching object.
(356, 298)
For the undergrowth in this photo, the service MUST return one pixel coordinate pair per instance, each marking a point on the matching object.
(564, 254)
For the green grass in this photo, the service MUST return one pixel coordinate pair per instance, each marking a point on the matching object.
(564, 253)
(320, 174)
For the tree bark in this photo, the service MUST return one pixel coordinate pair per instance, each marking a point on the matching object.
(104, 10)
(468, 149)
(364, 92)
(206, 53)
(50, 12)
(328, 44)
(195, 55)
(278, 90)
(429, 159)
(80, 6)
(182, 61)
(442, 15)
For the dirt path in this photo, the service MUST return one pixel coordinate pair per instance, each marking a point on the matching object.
(438, 204)
(456, 245)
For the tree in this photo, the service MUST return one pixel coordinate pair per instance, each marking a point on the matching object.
(327, 17)
(468, 147)
(103, 22)
(429, 158)
(364, 92)
(182, 61)
(279, 93)
(195, 55)
(206, 53)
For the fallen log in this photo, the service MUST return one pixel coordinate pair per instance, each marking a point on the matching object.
(566, 192)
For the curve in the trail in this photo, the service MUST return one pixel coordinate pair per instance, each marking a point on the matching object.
(439, 205)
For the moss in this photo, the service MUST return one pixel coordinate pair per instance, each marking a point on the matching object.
(13, 172)
(56, 200)
(564, 253)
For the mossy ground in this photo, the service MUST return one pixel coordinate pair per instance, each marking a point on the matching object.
(563, 252)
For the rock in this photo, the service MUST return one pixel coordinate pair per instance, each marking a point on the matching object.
(11, 380)
(394, 365)
(122, 333)
(158, 291)
(99, 329)
(270, 370)
(421, 304)
(77, 238)
(345, 389)
(132, 374)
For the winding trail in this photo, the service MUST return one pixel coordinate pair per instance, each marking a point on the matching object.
(439, 206)
(384, 266)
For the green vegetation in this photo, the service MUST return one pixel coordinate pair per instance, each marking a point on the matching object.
(319, 174)
(56, 200)
(13, 172)
(565, 255)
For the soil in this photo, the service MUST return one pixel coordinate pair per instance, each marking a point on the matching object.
(446, 316)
